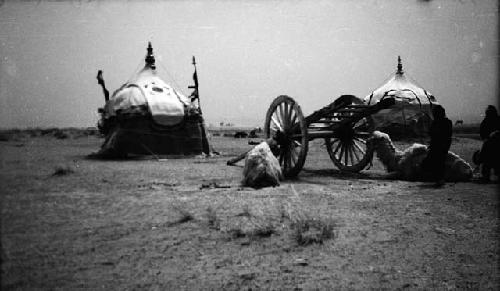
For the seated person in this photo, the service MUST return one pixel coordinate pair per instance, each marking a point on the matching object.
(490, 133)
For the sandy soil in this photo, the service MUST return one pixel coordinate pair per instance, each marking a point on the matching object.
(185, 224)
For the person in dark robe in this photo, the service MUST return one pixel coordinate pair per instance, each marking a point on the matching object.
(440, 134)
(489, 131)
(490, 123)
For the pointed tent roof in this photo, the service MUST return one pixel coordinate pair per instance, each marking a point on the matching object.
(146, 88)
(402, 88)
(411, 115)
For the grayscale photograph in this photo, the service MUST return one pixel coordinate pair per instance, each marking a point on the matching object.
(249, 145)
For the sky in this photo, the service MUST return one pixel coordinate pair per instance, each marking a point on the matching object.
(248, 53)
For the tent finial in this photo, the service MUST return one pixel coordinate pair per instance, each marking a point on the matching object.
(150, 59)
(400, 66)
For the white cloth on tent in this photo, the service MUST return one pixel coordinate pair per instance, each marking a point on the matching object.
(125, 99)
(165, 104)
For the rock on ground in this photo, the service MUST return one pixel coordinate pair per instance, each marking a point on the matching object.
(262, 169)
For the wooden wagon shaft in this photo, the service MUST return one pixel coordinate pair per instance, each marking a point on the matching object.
(341, 102)
(240, 157)
(335, 106)
(332, 107)
(383, 104)
(271, 142)
(341, 105)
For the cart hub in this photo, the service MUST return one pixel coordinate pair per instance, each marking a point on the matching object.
(345, 133)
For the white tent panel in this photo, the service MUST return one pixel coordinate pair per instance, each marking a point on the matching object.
(146, 89)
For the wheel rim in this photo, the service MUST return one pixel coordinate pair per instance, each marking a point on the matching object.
(349, 149)
(286, 125)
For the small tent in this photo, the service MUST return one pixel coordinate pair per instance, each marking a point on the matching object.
(147, 116)
(411, 116)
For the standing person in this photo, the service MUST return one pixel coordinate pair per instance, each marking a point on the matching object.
(489, 132)
(440, 134)
(490, 123)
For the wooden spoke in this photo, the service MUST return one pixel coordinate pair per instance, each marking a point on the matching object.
(285, 160)
(293, 118)
(286, 117)
(337, 148)
(354, 151)
(282, 116)
(278, 124)
(351, 154)
(295, 156)
(359, 148)
(276, 121)
(341, 152)
(335, 140)
(289, 116)
(289, 158)
(274, 128)
(345, 154)
(360, 140)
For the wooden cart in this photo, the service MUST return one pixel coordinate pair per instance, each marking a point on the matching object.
(345, 124)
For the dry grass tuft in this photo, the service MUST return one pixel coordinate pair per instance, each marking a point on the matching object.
(308, 230)
(185, 215)
(185, 218)
(253, 225)
(59, 134)
(212, 218)
(245, 212)
(263, 221)
(264, 228)
(63, 170)
(283, 213)
(256, 231)
(237, 232)
(5, 137)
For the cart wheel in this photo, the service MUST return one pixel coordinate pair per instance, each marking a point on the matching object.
(285, 123)
(350, 151)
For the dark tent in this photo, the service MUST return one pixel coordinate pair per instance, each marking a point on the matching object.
(147, 116)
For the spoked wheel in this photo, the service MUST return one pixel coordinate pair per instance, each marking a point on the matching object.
(349, 149)
(285, 123)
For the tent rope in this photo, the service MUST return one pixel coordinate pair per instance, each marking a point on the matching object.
(136, 71)
(150, 151)
(171, 77)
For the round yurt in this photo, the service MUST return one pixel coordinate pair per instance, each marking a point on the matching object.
(147, 116)
(411, 115)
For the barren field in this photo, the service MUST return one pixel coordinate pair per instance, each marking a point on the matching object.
(70, 222)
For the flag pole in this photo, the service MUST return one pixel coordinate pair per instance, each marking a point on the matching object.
(196, 92)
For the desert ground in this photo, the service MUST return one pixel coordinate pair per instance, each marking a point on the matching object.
(69, 222)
